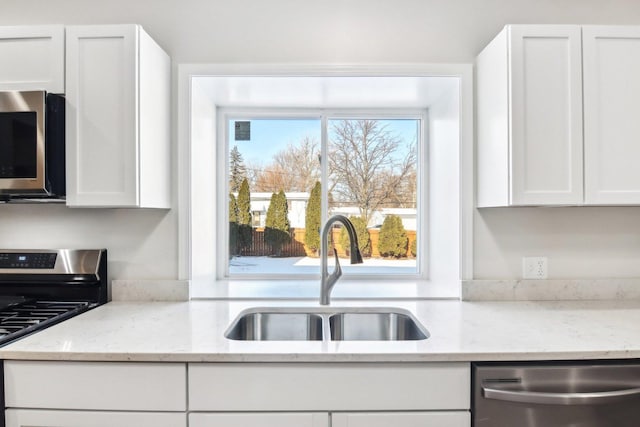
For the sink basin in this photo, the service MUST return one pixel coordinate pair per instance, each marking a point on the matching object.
(376, 326)
(276, 326)
(340, 324)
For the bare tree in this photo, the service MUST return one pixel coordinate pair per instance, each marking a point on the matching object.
(300, 162)
(271, 179)
(296, 168)
(368, 167)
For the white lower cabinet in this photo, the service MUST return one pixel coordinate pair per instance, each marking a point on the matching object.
(323, 394)
(402, 419)
(94, 394)
(44, 418)
(343, 419)
(127, 394)
(261, 419)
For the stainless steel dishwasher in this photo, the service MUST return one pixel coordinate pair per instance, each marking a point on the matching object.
(578, 394)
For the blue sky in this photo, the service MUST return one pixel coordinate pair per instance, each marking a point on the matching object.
(269, 136)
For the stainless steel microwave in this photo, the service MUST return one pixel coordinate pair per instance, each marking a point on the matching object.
(32, 154)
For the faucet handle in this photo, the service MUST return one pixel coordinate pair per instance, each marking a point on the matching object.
(337, 271)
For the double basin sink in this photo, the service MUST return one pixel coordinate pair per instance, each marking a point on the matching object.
(326, 324)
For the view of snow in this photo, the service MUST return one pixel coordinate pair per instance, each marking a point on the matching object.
(308, 265)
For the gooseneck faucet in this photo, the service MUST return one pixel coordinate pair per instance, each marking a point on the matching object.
(327, 281)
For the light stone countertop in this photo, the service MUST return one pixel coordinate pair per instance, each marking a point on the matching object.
(460, 331)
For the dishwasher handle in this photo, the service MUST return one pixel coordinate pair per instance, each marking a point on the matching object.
(591, 398)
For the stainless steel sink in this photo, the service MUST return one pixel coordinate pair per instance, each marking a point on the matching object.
(326, 323)
(276, 326)
(376, 326)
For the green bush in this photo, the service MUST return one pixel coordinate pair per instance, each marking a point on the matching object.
(312, 220)
(393, 238)
(364, 241)
(414, 247)
(277, 227)
(245, 230)
(233, 225)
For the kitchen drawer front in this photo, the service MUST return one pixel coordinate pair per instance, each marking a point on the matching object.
(328, 386)
(89, 385)
(35, 417)
(402, 419)
(260, 420)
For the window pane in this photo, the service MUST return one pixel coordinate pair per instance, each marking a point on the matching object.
(279, 160)
(373, 181)
(275, 194)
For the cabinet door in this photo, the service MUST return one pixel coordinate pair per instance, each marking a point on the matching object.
(43, 418)
(101, 116)
(612, 114)
(400, 419)
(32, 58)
(546, 114)
(260, 420)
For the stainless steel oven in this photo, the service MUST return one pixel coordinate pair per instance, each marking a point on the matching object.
(32, 152)
(575, 394)
(39, 288)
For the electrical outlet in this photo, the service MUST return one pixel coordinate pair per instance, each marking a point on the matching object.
(534, 267)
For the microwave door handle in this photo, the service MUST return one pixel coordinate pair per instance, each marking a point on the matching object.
(534, 397)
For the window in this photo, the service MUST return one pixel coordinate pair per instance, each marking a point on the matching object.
(286, 173)
(439, 96)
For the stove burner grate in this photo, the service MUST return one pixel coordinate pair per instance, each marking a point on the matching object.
(22, 319)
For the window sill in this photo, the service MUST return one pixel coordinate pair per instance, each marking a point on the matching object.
(310, 290)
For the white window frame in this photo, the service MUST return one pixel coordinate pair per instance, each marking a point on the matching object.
(200, 88)
(226, 114)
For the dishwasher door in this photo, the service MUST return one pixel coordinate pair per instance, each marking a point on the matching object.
(558, 394)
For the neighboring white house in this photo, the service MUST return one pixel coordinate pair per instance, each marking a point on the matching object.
(297, 205)
(407, 215)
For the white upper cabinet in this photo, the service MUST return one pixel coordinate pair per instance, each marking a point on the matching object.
(611, 114)
(32, 58)
(529, 117)
(117, 118)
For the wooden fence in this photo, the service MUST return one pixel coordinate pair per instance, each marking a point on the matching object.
(297, 248)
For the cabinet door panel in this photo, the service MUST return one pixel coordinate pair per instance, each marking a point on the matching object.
(32, 58)
(400, 419)
(260, 420)
(42, 418)
(612, 112)
(546, 122)
(102, 96)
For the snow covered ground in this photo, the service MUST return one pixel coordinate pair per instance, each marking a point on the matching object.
(308, 265)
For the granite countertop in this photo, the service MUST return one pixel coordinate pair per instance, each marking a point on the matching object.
(460, 331)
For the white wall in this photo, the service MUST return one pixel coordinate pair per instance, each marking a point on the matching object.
(589, 242)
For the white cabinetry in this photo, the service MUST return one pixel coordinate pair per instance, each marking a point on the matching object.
(107, 394)
(44, 418)
(529, 113)
(118, 118)
(437, 394)
(260, 420)
(77, 394)
(32, 58)
(401, 419)
(532, 107)
(611, 58)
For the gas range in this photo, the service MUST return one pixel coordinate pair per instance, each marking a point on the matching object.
(39, 288)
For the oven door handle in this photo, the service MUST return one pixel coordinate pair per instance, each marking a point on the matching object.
(591, 398)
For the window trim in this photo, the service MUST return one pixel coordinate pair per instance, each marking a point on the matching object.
(226, 114)
(194, 116)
